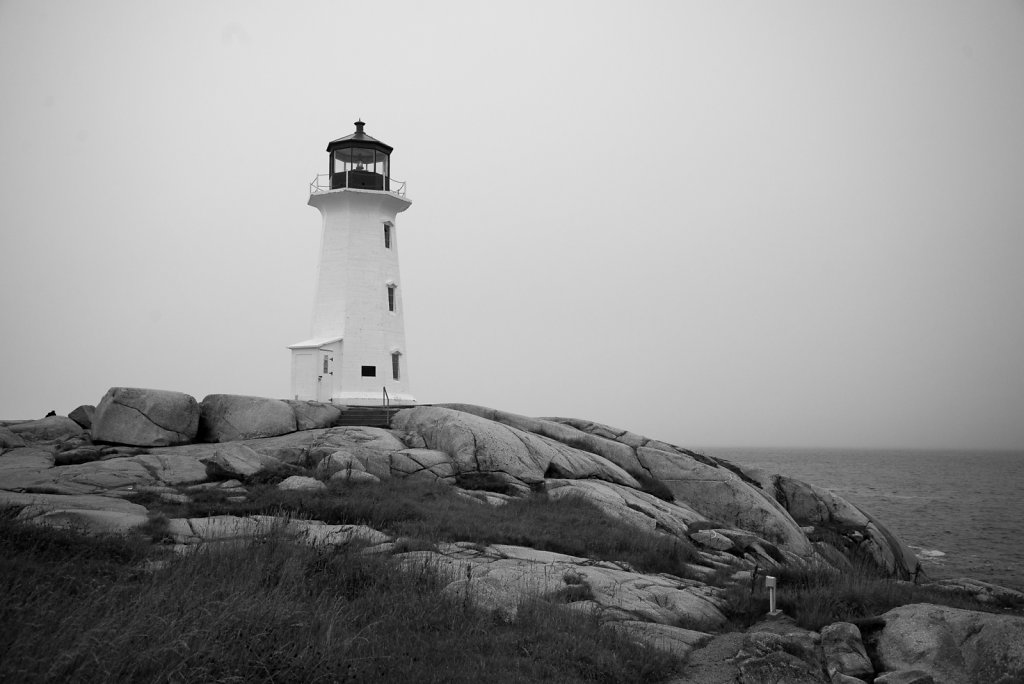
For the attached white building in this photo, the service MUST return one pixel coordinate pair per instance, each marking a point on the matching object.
(357, 348)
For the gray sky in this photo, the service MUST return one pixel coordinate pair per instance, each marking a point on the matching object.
(718, 223)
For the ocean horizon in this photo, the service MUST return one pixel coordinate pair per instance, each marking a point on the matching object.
(960, 511)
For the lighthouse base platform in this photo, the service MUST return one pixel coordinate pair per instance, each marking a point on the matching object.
(371, 399)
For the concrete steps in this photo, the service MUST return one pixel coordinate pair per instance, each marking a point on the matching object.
(368, 416)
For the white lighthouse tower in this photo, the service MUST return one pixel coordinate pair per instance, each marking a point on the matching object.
(356, 355)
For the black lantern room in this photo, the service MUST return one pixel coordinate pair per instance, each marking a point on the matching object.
(359, 161)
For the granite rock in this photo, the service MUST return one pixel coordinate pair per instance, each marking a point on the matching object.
(233, 417)
(950, 644)
(145, 417)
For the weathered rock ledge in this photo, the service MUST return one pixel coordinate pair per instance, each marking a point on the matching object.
(78, 471)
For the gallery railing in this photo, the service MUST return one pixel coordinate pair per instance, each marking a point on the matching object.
(322, 183)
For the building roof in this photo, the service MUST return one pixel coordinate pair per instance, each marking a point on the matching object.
(359, 139)
(315, 342)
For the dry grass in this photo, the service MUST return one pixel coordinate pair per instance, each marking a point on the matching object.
(820, 596)
(429, 513)
(78, 609)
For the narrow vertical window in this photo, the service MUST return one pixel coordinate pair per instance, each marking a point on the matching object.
(391, 297)
(387, 236)
(395, 365)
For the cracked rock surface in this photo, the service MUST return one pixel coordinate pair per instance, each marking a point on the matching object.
(145, 417)
(144, 442)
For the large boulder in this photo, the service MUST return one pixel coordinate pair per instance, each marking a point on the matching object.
(639, 509)
(300, 483)
(823, 509)
(145, 417)
(233, 417)
(844, 651)
(83, 415)
(770, 657)
(720, 494)
(485, 454)
(47, 429)
(313, 415)
(954, 646)
(620, 453)
(238, 461)
(496, 456)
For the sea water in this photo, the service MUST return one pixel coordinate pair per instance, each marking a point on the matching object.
(961, 512)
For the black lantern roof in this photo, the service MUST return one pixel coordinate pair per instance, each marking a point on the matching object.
(359, 139)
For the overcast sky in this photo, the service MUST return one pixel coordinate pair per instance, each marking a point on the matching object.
(717, 223)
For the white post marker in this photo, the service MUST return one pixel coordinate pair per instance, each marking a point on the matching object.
(770, 583)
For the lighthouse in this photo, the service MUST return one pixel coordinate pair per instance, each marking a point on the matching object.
(356, 355)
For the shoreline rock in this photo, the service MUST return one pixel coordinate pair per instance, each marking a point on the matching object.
(142, 445)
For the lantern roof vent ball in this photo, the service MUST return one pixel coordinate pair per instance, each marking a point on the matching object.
(359, 139)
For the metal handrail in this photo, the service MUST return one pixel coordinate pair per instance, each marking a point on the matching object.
(386, 404)
(322, 183)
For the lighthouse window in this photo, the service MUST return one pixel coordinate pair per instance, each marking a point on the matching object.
(394, 365)
(369, 371)
(391, 297)
(387, 236)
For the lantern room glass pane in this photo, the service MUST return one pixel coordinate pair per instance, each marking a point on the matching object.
(361, 167)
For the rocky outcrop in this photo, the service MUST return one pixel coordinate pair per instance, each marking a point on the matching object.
(301, 483)
(491, 454)
(145, 417)
(428, 464)
(83, 415)
(703, 484)
(639, 509)
(740, 520)
(770, 657)
(720, 494)
(191, 532)
(47, 429)
(844, 651)
(953, 646)
(233, 417)
(238, 461)
(986, 592)
(94, 514)
(485, 454)
(773, 507)
(616, 593)
(832, 516)
(33, 470)
(9, 440)
(499, 457)
(621, 454)
(24, 467)
(311, 415)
